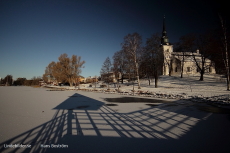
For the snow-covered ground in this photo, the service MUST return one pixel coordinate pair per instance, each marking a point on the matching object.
(212, 89)
(85, 122)
(213, 85)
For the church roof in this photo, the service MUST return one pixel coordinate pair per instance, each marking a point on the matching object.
(189, 56)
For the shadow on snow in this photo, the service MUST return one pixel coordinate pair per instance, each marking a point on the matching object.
(87, 125)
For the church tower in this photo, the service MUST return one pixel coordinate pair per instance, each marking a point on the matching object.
(167, 49)
(164, 38)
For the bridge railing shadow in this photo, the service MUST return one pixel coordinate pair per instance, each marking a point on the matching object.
(82, 119)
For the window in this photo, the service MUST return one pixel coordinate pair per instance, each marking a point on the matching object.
(188, 69)
(176, 69)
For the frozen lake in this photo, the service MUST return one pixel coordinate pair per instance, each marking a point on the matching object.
(67, 121)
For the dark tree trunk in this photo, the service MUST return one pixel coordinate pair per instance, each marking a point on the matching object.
(156, 79)
(149, 80)
(156, 82)
(170, 69)
(202, 75)
(182, 71)
(133, 87)
(228, 86)
(118, 85)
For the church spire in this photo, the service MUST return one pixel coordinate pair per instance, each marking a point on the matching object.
(164, 38)
(164, 30)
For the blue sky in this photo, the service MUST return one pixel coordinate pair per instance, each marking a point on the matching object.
(34, 33)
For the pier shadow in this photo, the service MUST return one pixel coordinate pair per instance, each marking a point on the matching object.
(83, 124)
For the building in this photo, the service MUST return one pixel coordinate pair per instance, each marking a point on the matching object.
(174, 60)
(108, 77)
(91, 79)
(82, 80)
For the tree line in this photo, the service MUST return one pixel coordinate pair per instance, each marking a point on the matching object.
(65, 70)
(24, 82)
(8, 81)
(134, 61)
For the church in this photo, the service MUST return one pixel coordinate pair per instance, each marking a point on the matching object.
(177, 62)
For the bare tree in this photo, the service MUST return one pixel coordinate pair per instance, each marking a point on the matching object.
(203, 55)
(154, 57)
(35, 80)
(132, 47)
(71, 67)
(1, 81)
(45, 78)
(225, 49)
(20, 81)
(66, 69)
(49, 76)
(119, 64)
(186, 44)
(105, 71)
(28, 82)
(77, 66)
(8, 80)
(58, 73)
(145, 69)
(95, 80)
